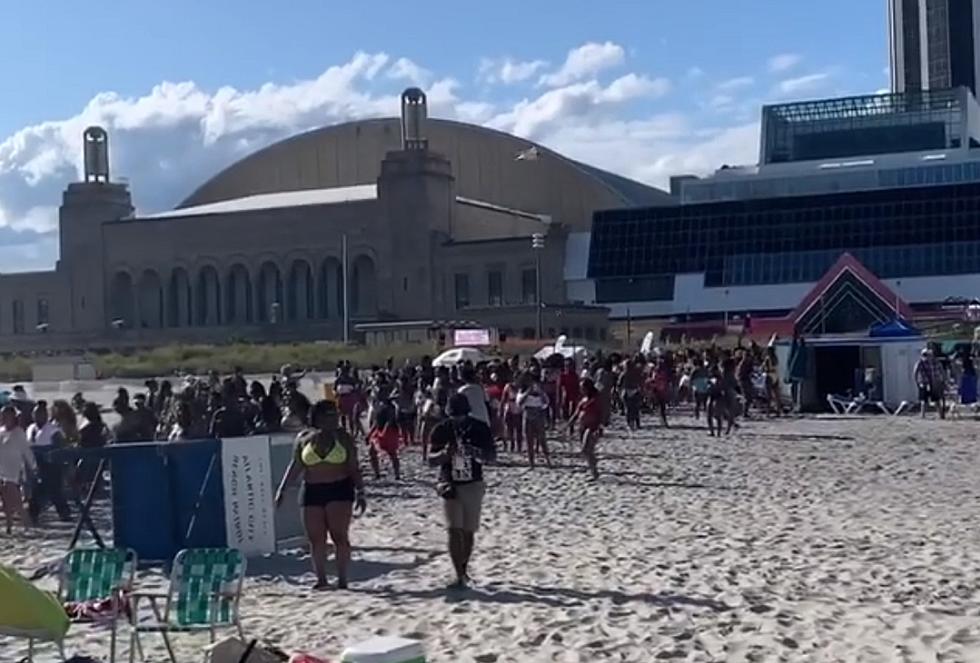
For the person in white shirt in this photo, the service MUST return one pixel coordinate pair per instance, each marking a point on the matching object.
(535, 407)
(15, 456)
(44, 436)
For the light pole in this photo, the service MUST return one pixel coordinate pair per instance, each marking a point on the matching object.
(537, 244)
(898, 298)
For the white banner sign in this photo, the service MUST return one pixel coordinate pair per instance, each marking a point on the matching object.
(247, 481)
(471, 337)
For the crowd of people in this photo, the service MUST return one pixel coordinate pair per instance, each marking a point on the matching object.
(944, 379)
(457, 417)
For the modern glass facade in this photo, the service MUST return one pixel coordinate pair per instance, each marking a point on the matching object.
(962, 44)
(835, 178)
(903, 232)
(933, 44)
(912, 53)
(864, 126)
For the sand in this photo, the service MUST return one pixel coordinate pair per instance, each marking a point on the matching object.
(821, 539)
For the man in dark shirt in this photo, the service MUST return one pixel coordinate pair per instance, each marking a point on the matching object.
(459, 446)
(128, 427)
(146, 421)
(228, 420)
(239, 383)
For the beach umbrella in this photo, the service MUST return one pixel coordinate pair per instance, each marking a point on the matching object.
(459, 356)
(28, 612)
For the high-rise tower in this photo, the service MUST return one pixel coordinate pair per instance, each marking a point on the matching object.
(934, 44)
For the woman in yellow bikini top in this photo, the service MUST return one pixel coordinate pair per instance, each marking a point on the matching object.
(326, 458)
(310, 455)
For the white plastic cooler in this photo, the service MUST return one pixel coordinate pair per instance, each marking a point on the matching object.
(385, 650)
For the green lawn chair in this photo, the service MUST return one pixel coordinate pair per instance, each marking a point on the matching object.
(204, 594)
(96, 574)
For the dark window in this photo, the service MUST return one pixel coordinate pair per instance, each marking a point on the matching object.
(42, 312)
(18, 316)
(602, 334)
(529, 286)
(495, 288)
(638, 289)
(462, 289)
(527, 333)
(551, 332)
(634, 254)
(590, 333)
(962, 45)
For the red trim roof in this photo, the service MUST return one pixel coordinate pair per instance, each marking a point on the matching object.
(848, 263)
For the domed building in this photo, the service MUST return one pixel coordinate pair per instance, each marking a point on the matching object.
(375, 224)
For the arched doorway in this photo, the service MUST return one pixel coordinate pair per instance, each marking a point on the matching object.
(299, 292)
(122, 307)
(150, 300)
(363, 287)
(269, 300)
(238, 296)
(179, 309)
(207, 297)
(330, 282)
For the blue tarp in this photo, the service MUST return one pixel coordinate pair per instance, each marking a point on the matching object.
(896, 328)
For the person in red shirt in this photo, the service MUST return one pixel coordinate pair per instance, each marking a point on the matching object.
(588, 414)
(568, 383)
(494, 389)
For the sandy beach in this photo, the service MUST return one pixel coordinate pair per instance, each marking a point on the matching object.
(821, 539)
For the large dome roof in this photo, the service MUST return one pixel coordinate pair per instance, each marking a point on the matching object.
(483, 162)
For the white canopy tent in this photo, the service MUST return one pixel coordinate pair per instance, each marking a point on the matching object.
(458, 356)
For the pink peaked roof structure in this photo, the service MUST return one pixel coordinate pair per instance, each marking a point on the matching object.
(848, 298)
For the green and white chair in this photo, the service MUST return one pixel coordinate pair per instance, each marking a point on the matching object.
(204, 594)
(98, 574)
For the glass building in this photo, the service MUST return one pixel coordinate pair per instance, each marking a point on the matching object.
(933, 44)
(867, 125)
(636, 254)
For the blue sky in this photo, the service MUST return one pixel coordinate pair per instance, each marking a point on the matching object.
(647, 89)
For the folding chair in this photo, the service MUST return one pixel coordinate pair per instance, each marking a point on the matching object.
(96, 574)
(204, 594)
(861, 402)
(838, 403)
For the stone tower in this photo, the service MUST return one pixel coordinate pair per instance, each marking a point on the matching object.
(85, 207)
(417, 192)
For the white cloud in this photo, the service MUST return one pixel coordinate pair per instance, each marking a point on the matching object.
(738, 83)
(509, 71)
(803, 84)
(174, 137)
(405, 70)
(694, 72)
(721, 101)
(784, 62)
(586, 103)
(584, 62)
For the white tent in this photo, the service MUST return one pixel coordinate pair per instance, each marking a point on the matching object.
(459, 356)
(576, 352)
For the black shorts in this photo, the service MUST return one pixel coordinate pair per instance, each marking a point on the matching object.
(926, 393)
(321, 494)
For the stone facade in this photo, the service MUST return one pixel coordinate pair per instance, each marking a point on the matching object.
(265, 266)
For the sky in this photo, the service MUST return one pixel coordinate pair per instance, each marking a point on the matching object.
(644, 88)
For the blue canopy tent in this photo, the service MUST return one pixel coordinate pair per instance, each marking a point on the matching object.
(896, 328)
